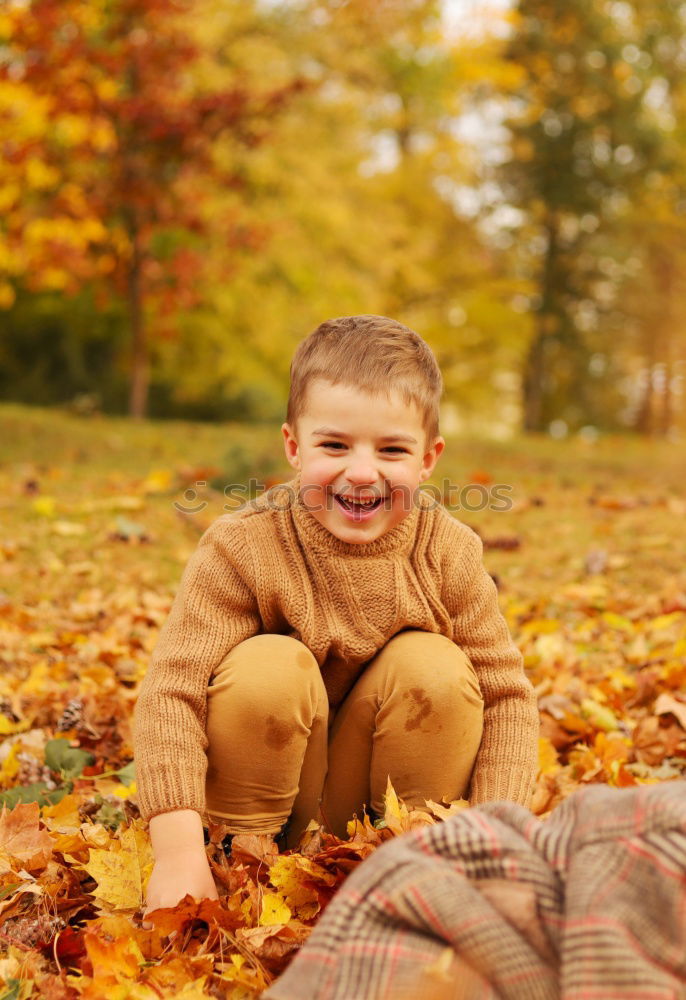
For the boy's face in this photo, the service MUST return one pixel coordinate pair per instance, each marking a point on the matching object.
(349, 444)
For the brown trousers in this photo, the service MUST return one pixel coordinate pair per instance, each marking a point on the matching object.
(275, 750)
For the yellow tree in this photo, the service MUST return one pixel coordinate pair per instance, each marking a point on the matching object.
(112, 171)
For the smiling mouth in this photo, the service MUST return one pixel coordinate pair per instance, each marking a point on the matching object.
(353, 505)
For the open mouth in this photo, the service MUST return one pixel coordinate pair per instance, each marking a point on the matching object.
(355, 506)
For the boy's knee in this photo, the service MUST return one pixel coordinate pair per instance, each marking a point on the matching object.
(268, 647)
(428, 666)
(270, 668)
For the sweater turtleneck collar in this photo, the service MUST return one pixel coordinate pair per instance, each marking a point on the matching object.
(315, 536)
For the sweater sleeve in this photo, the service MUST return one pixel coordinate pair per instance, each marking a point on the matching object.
(214, 609)
(506, 764)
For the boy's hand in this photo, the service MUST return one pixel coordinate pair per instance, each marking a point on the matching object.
(177, 873)
(181, 864)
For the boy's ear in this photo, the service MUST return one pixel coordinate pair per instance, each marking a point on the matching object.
(290, 446)
(430, 458)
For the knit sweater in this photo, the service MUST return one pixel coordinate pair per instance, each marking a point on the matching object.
(271, 567)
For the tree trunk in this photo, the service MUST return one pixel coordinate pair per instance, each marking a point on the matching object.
(534, 371)
(140, 365)
(644, 418)
(655, 415)
(533, 384)
(666, 286)
(667, 404)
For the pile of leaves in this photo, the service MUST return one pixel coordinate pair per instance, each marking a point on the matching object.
(72, 892)
(92, 550)
(75, 856)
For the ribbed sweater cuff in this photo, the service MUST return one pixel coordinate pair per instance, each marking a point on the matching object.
(492, 785)
(162, 792)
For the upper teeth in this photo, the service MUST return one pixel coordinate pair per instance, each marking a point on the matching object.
(359, 500)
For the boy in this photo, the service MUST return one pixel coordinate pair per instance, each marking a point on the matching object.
(336, 631)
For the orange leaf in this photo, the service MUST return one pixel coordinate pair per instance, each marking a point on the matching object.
(622, 778)
(21, 837)
(256, 851)
(113, 952)
(176, 918)
(610, 749)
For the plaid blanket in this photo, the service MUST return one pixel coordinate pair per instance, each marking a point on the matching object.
(495, 904)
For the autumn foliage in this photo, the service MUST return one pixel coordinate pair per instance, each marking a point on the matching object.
(110, 154)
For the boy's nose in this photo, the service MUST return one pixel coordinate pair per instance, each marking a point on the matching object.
(362, 470)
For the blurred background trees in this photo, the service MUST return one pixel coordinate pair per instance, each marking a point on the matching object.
(187, 187)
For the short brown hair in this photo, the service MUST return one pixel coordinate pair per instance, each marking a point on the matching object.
(374, 354)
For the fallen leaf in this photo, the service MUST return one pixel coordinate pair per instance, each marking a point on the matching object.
(444, 810)
(302, 883)
(187, 911)
(274, 910)
(21, 839)
(274, 945)
(113, 951)
(257, 851)
(667, 704)
(122, 871)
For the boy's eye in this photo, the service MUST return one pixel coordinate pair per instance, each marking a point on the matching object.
(339, 444)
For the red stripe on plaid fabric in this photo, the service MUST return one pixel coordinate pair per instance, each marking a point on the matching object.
(657, 860)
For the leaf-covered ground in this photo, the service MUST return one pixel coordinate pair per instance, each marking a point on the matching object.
(590, 563)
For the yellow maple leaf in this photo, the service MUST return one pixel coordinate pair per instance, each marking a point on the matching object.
(293, 876)
(122, 872)
(274, 910)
